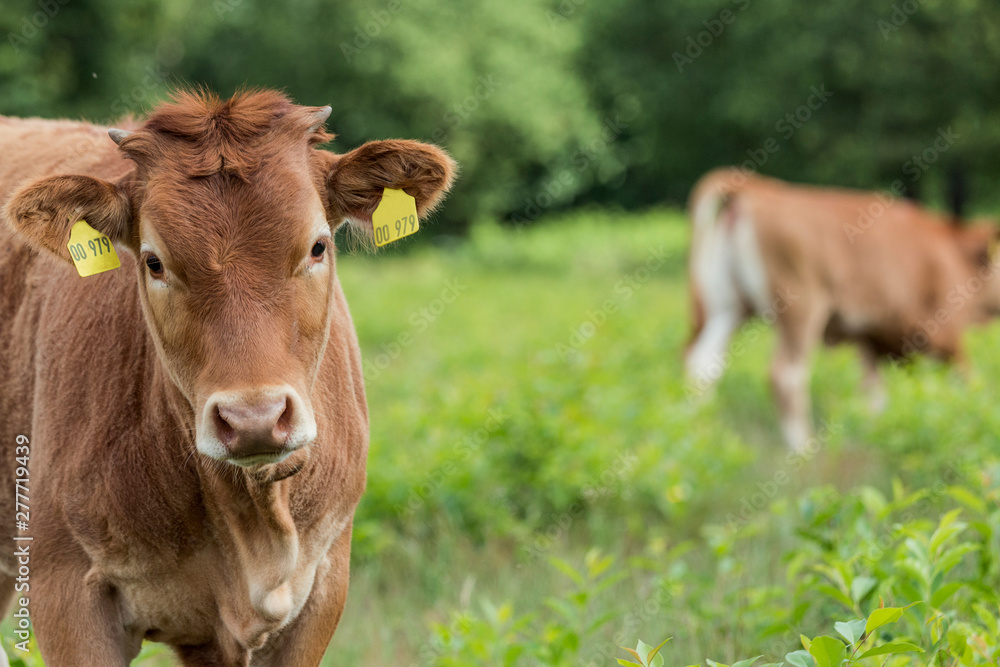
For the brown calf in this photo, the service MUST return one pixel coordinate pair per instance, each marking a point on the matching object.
(197, 419)
(829, 265)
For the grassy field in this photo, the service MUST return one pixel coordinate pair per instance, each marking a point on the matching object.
(544, 488)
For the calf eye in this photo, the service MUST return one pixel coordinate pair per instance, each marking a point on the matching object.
(155, 266)
(318, 249)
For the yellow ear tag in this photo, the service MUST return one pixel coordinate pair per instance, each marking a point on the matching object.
(92, 251)
(395, 217)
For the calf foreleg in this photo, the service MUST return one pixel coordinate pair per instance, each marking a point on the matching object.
(78, 622)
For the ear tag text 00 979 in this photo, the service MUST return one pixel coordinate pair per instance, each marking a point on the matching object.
(395, 217)
(92, 251)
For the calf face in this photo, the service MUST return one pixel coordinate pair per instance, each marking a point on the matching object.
(230, 213)
(978, 244)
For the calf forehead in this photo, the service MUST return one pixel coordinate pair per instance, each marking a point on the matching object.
(212, 223)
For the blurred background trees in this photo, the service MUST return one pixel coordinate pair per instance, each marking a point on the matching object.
(552, 104)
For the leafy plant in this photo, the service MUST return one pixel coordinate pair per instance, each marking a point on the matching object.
(647, 656)
(821, 651)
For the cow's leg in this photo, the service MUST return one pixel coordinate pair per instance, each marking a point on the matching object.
(303, 643)
(706, 360)
(798, 334)
(872, 382)
(213, 655)
(78, 622)
(7, 594)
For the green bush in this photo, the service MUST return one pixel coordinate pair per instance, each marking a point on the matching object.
(946, 568)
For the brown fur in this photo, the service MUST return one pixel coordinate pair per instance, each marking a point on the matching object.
(136, 534)
(852, 266)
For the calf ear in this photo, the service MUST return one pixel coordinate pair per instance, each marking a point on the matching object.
(44, 211)
(356, 180)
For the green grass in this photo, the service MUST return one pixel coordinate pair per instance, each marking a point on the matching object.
(593, 443)
(571, 416)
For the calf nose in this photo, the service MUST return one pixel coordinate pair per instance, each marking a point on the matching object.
(258, 428)
(253, 426)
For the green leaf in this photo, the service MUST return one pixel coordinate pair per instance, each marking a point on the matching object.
(800, 659)
(852, 631)
(947, 528)
(967, 498)
(596, 564)
(601, 620)
(512, 654)
(563, 608)
(643, 649)
(748, 662)
(568, 570)
(862, 586)
(653, 654)
(953, 556)
(945, 592)
(608, 582)
(891, 647)
(836, 595)
(633, 652)
(827, 651)
(622, 661)
(885, 616)
(987, 618)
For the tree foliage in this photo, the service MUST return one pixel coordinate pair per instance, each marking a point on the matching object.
(548, 104)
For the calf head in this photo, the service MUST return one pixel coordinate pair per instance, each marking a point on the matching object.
(230, 212)
(978, 243)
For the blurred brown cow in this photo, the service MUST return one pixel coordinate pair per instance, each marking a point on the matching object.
(829, 265)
